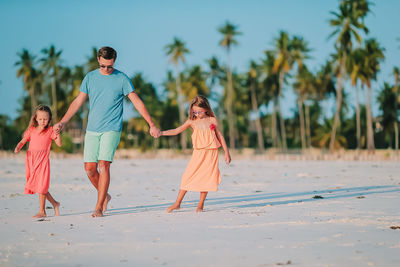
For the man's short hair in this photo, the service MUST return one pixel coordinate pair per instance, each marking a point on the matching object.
(107, 52)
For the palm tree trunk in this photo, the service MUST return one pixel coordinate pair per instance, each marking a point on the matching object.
(282, 121)
(260, 139)
(54, 98)
(302, 130)
(276, 142)
(33, 99)
(396, 123)
(358, 120)
(181, 109)
(396, 136)
(308, 127)
(339, 88)
(370, 133)
(229, 102)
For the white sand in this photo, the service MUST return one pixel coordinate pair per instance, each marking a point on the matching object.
(263, 215)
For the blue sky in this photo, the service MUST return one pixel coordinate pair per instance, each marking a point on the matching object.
(139, 31)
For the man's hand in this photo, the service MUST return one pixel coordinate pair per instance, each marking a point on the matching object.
(155, 132)
(58, 127)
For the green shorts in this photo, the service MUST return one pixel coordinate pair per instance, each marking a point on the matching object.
(100, 146)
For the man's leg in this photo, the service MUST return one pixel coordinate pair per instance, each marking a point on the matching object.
(94, 177)
(92, 173)
(102, 188)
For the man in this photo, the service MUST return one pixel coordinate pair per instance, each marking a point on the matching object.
(105, 87)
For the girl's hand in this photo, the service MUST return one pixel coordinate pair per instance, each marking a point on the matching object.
(227, 158)
(17, 148)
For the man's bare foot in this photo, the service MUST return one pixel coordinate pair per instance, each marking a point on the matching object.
(173, 207)
(97, 213)
(39, 215)
(105, 203)
(57, 209)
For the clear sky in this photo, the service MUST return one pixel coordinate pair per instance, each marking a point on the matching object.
(139, 31)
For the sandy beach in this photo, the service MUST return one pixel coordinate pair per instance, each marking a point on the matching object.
(266, 213)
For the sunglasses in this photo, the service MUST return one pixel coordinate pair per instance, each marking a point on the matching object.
(106, 67)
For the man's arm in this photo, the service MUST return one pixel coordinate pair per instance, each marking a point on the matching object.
(141, 108)
(73, 108)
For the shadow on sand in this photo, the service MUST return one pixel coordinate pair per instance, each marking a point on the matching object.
(266, 199)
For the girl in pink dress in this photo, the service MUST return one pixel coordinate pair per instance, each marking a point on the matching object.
(202, 172)
(40, 135)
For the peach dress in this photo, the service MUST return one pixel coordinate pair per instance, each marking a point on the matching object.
(202, 173)
(37, 163)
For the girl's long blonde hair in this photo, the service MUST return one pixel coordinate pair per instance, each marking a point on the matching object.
(33, 122)
(201, 102)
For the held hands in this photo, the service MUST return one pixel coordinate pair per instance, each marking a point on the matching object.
(58, 127)
(155, 132)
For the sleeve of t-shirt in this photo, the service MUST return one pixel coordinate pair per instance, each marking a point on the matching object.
(85, 85)
(127, 86)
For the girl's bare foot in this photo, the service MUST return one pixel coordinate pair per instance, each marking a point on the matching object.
(56, 209)
(39, 215)
(173, 207)
(97, 213)
(105, 203)
(199, 208)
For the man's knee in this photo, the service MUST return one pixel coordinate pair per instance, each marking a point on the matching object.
(91, 169)
(104, 166)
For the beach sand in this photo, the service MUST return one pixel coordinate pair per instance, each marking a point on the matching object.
(266, 213)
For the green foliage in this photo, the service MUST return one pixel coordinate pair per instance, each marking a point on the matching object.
(284, 67)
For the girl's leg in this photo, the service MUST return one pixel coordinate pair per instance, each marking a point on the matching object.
(53, 202)
(177, 204)
(42, 211)
(200, 206)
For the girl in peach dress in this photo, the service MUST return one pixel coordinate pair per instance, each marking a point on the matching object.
(202, 173)
(40, 136)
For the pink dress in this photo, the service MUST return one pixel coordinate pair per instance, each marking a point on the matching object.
(202, 172)
(37, 161)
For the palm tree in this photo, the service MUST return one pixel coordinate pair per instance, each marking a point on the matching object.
(373, 57)
(396, 73)
(304, 86)
(215, 75)
(271, 88)
(177, 51)
(51, 62)
(92, 62)
(148, 94)
(299, 52)
(387, 105)
(356, 61)
(282, 65)
(229, 32)
(252, 76)
(346, 23)
(29, 75)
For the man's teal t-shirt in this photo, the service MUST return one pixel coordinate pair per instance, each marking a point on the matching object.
(106, 94)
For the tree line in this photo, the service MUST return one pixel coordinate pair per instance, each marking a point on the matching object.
(239, 98)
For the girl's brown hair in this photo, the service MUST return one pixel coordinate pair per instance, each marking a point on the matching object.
(33, 122)
(201, 102)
